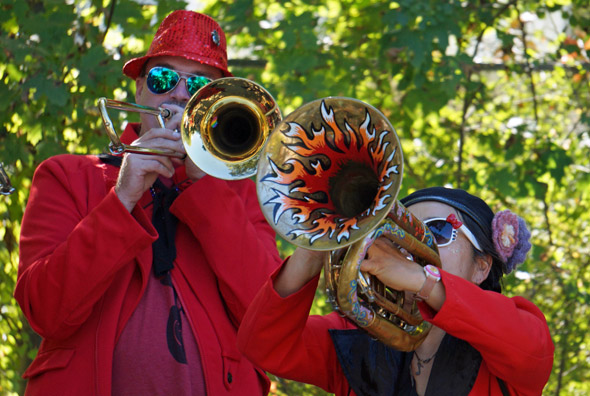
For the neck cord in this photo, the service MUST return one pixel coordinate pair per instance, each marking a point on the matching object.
(422, 362)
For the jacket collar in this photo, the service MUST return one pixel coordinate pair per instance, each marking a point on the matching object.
(131, 132)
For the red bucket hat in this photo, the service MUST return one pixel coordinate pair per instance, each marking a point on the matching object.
(189, 35)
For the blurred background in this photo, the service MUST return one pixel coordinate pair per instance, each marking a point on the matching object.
(489, 96)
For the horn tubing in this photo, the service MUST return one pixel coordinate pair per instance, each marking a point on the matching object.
(347, 298)
(116, 147)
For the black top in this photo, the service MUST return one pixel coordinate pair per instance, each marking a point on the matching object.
(373, 368)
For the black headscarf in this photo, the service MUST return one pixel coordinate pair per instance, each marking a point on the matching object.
(477, 216)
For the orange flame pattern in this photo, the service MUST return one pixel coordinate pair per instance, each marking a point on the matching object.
(307, 174)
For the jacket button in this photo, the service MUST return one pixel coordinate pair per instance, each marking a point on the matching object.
(229, 378)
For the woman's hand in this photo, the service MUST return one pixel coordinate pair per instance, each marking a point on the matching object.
(301, 267)
(391, 267)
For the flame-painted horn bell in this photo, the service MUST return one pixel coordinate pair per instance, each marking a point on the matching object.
(330, 171)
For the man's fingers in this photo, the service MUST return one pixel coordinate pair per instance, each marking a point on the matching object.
(161, 139)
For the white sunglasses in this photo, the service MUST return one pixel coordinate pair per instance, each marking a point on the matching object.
(445, 231)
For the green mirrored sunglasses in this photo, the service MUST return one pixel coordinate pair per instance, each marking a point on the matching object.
(161, 79)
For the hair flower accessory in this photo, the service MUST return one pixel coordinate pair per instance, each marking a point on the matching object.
(511, 239)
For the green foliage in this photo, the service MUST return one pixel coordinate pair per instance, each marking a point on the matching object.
(482, 97)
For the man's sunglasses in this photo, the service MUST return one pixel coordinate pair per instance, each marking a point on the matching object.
(161, 79)
(445, 231)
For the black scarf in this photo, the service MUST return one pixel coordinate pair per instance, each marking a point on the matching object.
(164, 248)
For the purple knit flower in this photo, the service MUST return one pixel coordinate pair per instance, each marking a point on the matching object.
(511, 238)
(521, 249)
(505, 233)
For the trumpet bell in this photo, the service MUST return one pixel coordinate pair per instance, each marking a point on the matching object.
(330, 172)
(225, 125)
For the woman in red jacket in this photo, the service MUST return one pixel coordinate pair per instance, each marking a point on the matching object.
(482, 342)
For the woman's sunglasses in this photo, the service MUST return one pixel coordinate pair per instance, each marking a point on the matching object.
(445, 231)
(161, 79)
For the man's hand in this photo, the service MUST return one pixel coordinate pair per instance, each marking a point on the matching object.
(192, 171)
(140, 171)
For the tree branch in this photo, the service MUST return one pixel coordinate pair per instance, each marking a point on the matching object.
(466, 104)
(528, 69)
(14, 328)
(562, 356)
(480, 36)
(468, 99)
(109, 19)
(473, 67)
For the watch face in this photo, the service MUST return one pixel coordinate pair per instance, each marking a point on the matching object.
(432, 270)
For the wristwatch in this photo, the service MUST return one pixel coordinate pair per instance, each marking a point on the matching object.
(432, 277)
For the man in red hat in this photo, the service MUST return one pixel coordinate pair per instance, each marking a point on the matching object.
(137, 273)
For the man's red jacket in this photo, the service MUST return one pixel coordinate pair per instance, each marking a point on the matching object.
(85, 262)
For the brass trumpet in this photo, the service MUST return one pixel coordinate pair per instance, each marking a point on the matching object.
(224, 127)
(5, 186)
(328, 179)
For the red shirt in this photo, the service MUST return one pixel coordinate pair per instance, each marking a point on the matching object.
(157, 353)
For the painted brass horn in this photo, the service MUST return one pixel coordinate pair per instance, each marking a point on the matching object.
(5, 186)
(328, 179)
(224, 127)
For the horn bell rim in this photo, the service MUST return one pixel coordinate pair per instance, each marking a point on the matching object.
(198, 126)
(300, 133)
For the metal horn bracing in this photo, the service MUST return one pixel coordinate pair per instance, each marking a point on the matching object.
(328, 179)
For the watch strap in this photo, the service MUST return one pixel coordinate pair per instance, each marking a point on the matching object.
(432, 277)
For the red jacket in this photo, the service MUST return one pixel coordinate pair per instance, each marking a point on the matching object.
(511, 335)
(85, 262)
